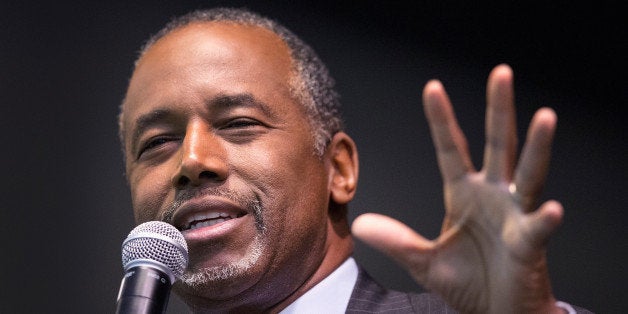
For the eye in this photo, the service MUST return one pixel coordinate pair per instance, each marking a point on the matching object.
(154, 143)
(241, 123)
(242, 129)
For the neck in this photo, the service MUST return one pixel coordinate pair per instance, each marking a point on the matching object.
(336, 254)
(339, 247)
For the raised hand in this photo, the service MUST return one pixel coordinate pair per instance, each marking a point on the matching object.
(491, 254)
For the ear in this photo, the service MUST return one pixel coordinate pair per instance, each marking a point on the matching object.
(343, 155)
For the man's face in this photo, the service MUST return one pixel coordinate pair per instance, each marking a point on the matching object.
(217, 145)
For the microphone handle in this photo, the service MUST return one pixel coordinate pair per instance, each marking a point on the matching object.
(144, 290)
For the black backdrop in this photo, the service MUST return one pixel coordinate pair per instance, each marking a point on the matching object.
(64, 66)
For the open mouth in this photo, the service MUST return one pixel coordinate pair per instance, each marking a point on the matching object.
(200, 220)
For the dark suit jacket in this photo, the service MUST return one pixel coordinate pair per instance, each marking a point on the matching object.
(368, 296)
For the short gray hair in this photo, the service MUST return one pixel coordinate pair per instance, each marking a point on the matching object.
(313, 86)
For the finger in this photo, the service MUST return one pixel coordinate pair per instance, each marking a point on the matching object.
(394, 239)
(544, 222)
(534, 161)
(451, 145)
(501, 134)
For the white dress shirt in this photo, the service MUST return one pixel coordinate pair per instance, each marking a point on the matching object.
(330, 295)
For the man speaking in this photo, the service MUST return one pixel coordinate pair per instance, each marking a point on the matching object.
(232, 133)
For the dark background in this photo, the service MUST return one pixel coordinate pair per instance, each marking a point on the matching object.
(64, 68)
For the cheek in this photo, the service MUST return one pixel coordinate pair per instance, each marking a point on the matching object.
(295, 185)
(283, 168)
(149, 192)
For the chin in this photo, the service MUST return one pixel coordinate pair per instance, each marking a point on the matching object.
(225, 280)
(214, 284)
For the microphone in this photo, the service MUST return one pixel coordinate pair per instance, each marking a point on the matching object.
(154, 255)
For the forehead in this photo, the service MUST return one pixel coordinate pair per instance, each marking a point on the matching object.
(205, 58)
(197, 39)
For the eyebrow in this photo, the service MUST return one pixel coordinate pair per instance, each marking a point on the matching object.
(227, 101)
(219, 102)
(145, 121)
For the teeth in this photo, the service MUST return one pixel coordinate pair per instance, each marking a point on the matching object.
(207, 223)
(201, 220)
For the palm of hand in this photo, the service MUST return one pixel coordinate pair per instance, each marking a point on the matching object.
(486, 246)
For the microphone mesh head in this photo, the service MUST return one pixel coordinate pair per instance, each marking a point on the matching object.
(156, 241)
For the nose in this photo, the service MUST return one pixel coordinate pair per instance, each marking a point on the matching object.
(203, 158)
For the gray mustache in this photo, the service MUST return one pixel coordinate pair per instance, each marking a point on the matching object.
(251, 202)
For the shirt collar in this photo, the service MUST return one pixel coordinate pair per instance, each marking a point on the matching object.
(330, 295)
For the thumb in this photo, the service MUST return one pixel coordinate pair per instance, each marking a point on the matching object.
(395, 239)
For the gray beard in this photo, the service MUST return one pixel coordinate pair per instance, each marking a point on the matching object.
(197, 278)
